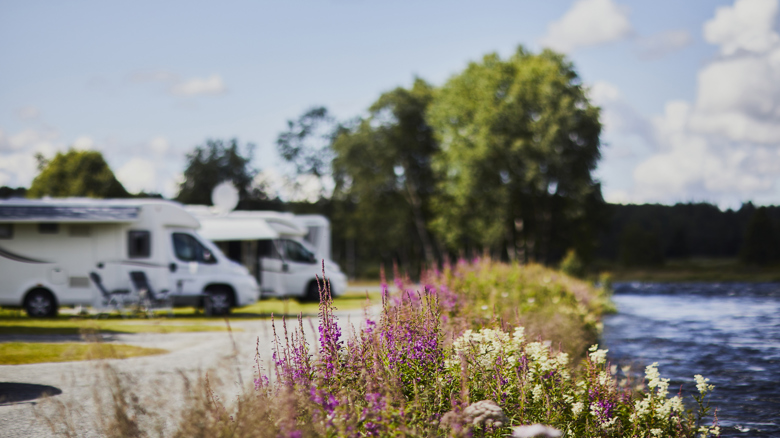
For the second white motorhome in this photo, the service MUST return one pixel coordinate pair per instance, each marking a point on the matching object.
(283, 251)
(68, 252)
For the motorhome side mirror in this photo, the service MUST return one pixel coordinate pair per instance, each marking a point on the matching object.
(172, 267)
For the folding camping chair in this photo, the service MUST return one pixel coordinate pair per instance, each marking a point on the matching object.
(149, 299)
(117, 299)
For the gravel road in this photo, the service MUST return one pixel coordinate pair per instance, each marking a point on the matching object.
(157, 379)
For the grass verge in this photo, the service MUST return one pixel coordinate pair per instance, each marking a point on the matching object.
(15, 322)
(18, 353)
(696, 270)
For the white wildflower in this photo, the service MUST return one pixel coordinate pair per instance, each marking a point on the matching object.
(538, 392)
(604, 378)
(597, 356)
(641, 408)
(654, 380)
(518, 337)
(539, 355)
(486, 345)
(701, 384)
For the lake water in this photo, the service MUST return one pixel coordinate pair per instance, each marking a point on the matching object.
(728, 332)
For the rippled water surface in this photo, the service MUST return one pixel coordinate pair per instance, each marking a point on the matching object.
(729, 333)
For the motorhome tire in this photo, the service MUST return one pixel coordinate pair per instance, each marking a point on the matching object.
(40, 303)
(312, 292)
(220, 300)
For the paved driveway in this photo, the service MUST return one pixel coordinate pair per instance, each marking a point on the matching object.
(156, 378)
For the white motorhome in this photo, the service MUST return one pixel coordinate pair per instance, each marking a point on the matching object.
(76, 251)
(283, 251)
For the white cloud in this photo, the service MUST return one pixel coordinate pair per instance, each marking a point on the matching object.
(84, 143)
(138, 174)
(175, 85)
(197, 86)
(662, 43)
(725, 145)
(588, 23)
(747, 25)
(160, 146)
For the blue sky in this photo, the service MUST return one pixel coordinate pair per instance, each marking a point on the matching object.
(689, 90)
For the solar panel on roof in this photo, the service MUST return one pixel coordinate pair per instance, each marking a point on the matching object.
(58, 213)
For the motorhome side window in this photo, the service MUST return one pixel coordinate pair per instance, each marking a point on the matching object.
(188, 249)
(139, 244)
(297, 253)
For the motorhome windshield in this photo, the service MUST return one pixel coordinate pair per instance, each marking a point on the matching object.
(188, 249)
(296, 252)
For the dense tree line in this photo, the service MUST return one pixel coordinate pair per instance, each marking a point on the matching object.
(636, 235)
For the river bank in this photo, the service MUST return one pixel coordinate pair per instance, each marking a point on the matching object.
(693, 270)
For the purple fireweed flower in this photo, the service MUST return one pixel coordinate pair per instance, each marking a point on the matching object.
(370, 326)
(262, 381)
(605, 410)
(330, 332)
(328, 402)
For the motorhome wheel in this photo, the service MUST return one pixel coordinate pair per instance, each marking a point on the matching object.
(40, 303)
(219, 298)
(313, 292)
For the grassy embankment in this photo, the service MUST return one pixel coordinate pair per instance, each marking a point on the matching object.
(695, 270)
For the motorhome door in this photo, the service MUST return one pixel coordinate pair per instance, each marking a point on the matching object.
(192, 264)
(272, 268)
(301, 266)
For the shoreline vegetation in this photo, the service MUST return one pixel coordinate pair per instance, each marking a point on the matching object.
(711, 270)
(482, 349)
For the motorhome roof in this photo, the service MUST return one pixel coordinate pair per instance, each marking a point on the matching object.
(225, 228)
(75, 210)
(247, 223)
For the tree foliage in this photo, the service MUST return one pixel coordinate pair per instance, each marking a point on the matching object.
(383, 167)
(76, 173)
(306, 142)
(759, 246)
(215, 162)
(519, 140)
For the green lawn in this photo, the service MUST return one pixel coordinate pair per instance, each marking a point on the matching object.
(18, 353)
(183, 320)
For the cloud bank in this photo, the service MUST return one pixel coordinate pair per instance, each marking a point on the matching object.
(725, 145)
